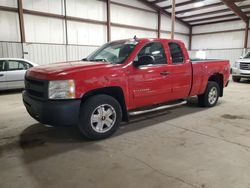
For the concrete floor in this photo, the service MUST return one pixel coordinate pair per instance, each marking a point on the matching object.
(179, 148)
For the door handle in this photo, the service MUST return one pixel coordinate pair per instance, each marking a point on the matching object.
(1, 75)
(165, 73)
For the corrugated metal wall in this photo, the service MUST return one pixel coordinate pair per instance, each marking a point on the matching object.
(230, 54)
(11, 49)
(46, 36)
(50, 53)
(217, 42)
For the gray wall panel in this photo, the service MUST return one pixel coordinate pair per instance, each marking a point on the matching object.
(45, 53)
(51, 53)
(10, 49)
(230, 54)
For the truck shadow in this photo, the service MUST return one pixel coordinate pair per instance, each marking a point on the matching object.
(39, 134)
(10, 92)
(51, 141)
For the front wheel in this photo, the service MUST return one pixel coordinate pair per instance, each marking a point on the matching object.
(100, 117)
(211, 95)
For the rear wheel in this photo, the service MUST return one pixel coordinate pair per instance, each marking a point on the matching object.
(211, 95)
(100, 117)
(236, 78)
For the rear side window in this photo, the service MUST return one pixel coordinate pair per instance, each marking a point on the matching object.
(15, 65)
(154, 49)
(176, 53)
(2, 65)
(26, 65)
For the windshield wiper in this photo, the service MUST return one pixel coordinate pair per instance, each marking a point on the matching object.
(100, 60)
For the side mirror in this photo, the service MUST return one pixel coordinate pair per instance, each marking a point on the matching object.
(241, 57)
(144, 60)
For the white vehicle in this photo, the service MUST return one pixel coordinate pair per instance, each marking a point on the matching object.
(12, 72)
(241, 68)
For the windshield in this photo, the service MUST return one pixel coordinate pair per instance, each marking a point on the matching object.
(247, 56)
(116, 52)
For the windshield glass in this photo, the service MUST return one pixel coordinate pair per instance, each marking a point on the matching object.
(116, 52)
(247, 56)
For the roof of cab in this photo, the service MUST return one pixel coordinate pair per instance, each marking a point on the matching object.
(148, 40)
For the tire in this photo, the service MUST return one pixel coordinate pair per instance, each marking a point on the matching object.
(236, 78)
(211, 95)
(100, 116)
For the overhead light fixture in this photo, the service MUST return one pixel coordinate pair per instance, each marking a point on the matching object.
(185, 13)
(199, 4)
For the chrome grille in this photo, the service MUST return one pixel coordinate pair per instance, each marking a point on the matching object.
(244, 66)
(36, 88)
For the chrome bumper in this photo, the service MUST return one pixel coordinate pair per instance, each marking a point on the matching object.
(240, 73)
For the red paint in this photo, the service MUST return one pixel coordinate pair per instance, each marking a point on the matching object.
(141, 86)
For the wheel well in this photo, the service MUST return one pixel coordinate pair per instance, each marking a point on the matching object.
(218, 78)
(115, 92)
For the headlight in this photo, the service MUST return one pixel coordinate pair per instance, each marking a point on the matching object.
(62, 89)
(236, 64)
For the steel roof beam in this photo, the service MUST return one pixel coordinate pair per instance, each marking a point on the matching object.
(236, 10)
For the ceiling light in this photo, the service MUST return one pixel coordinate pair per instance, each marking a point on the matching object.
(199, 4)
(185, 13)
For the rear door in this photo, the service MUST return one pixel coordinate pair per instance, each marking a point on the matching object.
(150, 84)
(181, 70)
(3, 67)
(15, 74)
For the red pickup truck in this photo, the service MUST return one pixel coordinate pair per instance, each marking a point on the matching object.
(119, 79)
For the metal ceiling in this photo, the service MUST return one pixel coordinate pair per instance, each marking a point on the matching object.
(200, 12)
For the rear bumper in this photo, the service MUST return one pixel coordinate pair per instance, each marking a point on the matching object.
(55, 113)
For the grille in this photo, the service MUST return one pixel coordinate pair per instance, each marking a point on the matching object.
(36, 88)
(244, 66)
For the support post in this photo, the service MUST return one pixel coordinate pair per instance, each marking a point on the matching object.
(108, 21)
(246, 35)
(21, 24)
(66, 29)
(159, 24)
(173, 19)
(190, 38)
(65, 21)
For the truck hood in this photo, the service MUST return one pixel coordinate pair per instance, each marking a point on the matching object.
(65, 68)
(244, 60)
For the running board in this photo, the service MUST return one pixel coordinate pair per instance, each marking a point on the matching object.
(134, 113)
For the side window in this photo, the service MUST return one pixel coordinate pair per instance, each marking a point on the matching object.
(26, 65)
(154, 49)
(176, 53)
(2, 66)
(15, 65)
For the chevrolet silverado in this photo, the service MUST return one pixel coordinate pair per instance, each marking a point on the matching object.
(121, 78)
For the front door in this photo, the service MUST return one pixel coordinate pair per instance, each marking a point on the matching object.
(3, 66)
(15, 74)
(150, 84)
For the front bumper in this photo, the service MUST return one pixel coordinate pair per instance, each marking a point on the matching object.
(240, 73)
(51, 112)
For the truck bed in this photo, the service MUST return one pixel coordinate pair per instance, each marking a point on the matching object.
(198, 60)
(203, 69)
